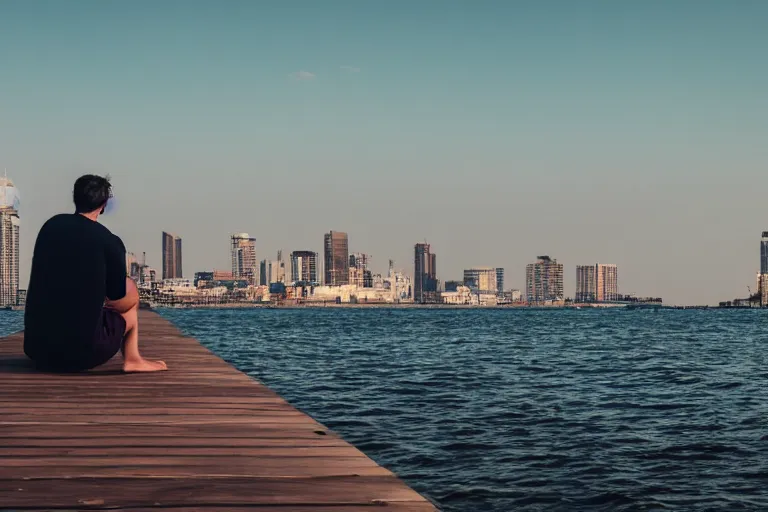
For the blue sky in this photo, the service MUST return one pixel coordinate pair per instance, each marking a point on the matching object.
(633, 133)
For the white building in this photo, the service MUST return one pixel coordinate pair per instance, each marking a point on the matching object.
(463, 296)
(9, 242)
(390, 289)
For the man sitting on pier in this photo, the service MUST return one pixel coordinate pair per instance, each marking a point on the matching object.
(81, 307)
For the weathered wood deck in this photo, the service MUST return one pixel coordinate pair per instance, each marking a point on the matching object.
(202, 436)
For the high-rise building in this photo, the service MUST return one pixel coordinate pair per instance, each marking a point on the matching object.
(424, 274)
(243, 250)
(133, 266)
(177, 254)
(336, 245)
(762, 276)
(586, 283)
(171, 256)
(272, 271)
(762, 289)
(280, 267)
(597, 283)
(9, 242)
(359, 273)
(544, 281)
(264, 273)
(607, 282)
(500, 281)
(304, 267)
(481, 280)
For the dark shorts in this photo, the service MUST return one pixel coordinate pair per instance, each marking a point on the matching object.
(106, 342)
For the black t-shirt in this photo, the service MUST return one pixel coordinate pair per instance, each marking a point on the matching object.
(77, 264)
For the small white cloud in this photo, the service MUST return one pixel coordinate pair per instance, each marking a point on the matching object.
(303, 75)
(350, 69)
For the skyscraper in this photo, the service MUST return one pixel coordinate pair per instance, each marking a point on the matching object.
(177, 249)
(336, 258)
(764, 253)
(171, 256)
(424, 274)
(597, 283)
(9, 242)
(304, 267)
(500, 281)
(280, 267)
(243, 250)
(264, 272)
(481, 280)
(544, 281)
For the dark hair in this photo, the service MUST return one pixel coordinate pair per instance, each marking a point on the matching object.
(91, 193)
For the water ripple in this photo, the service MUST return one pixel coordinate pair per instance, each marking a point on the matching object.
(525, 409)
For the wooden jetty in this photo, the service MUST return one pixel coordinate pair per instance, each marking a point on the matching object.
(200, 437)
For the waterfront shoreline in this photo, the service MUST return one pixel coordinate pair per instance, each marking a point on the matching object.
(333, 305)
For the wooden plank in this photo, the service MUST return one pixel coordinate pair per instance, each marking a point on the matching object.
(168, 431)
(185, 469)
(373, 507)
(201, 436)
(200, 401)
(8, 443)
(120, 450)
(281, 411)
(204, 491)
(330, 460)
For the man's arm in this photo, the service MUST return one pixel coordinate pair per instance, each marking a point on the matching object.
(119, 296)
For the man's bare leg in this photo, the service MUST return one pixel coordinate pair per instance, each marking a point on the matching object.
(128, 307)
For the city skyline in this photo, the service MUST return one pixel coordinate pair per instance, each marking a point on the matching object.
(544, 279)
(592, 131)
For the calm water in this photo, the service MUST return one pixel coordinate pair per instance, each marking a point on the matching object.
(522, 409)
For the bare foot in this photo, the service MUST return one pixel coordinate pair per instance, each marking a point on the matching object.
(144, 365)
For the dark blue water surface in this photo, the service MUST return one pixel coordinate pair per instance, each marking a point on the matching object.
(10, 321)
(507, 410)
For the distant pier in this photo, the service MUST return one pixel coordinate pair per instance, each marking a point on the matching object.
(202, 436)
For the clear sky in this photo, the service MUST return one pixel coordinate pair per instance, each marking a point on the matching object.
(632, 132)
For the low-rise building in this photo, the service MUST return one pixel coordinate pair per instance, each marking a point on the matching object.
(462, 296)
